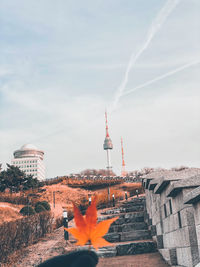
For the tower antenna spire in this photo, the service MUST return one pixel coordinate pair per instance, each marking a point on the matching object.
(123, 172)
(108, 146)
(107, 134)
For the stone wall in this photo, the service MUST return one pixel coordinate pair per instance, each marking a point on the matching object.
(193, 198)
(174, 224)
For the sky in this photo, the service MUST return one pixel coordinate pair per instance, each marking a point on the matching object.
(63, 63)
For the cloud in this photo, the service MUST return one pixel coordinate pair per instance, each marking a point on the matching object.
(165, 75)
(154, 28)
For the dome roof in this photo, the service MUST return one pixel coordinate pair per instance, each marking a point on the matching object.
(28, 147)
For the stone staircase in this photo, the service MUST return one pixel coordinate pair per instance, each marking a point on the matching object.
(129, 234)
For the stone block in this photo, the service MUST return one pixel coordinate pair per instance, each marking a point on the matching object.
(134, 226)
(153, 230)
(106, 252)
(176, 223)
(190, 216)
(183, 216)
(112, 237)
(170, 240)
(165, 254)
(166, 225)
(120, 221)
(128, 227)
(136, 248)
(177, 202)
(196, 207)
(111, 211)
(173, 256)
(198, 235)
(184, 184)
(158, 229)
(171, 223)
(134, 208)
(195, 255)
(146, 216)
(181, 237)
(134, 217)
(184, 257)
(156, 217)
(150, 222)
(166, 240)
(160, 241)
(169, 255)
(135, 235)
(192, 236)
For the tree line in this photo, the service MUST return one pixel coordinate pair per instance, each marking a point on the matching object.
(16, 180)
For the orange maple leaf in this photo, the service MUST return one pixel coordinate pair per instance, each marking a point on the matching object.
(87, 228)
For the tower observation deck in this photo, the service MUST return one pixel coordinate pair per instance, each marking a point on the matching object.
(108, 146)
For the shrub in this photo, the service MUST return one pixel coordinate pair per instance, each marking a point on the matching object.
(13, 199)
(27, 210)
(23, 232)
(40, 208)
(44, 203)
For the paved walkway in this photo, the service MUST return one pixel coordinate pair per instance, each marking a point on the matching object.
(142, 260)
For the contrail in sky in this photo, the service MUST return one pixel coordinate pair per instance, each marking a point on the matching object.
(172, 72)
(154, 28)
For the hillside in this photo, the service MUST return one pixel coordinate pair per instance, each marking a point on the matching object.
(9, 212)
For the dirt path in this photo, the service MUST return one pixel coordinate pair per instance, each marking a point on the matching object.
(5, 205)
(50, 246)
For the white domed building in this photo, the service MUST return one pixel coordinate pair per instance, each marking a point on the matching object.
(30, 160)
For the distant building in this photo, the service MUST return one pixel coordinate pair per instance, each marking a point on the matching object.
(30, 160)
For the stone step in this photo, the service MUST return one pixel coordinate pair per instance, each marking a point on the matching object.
(127, 236)
(128, 204)
(111, 211)
(128, 248)
(128, 227)
(131, 208)
(125, 218)
(134, 248)
(133, 202)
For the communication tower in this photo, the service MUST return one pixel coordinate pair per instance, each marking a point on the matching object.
(123, 173)
(108, 146)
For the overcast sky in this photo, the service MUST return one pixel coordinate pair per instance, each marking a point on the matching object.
(62, 63)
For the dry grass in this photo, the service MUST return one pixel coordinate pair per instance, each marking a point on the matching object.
(64, 196)
(9, 212)
(132, 187)
(103, 197)
(91, 184)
